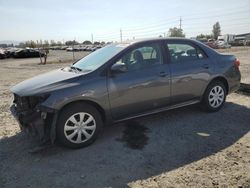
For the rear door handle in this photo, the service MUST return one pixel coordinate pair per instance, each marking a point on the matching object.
(205, 66)
(162, 74)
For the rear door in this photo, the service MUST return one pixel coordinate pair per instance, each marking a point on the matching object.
(190, 70)
(144, 86)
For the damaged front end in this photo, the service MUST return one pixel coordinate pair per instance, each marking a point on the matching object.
(33, 118)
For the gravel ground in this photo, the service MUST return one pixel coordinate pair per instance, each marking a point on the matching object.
(205, 150)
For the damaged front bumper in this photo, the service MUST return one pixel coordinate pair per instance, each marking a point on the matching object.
(39, 124)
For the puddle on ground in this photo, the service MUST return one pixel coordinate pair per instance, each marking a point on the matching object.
(244, 89)
(134, 135)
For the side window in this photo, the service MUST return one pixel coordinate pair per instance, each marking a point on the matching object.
(182, 52)
(142, 57)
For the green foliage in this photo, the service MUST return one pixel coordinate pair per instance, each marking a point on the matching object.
(21, 45)
(59, 43)
(70, 43)
(30, 44)
(3, 45)
(216, 30)
(175, 32)
(86, 42)
(52, 43)
(204, 36)
(46, 44)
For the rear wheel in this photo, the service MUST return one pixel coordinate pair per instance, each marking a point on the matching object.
(214, 96)
(78, 125)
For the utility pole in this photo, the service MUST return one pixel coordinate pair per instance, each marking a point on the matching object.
(73, 49)
(121, 34)
(180, 22)
(92, 38)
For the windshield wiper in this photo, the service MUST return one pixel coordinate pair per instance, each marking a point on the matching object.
(75, 68)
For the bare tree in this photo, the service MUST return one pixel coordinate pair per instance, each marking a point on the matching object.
(43, 51)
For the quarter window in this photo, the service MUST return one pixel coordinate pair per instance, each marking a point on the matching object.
(181, 52)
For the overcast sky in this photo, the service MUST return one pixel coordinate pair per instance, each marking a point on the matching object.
(65, 20)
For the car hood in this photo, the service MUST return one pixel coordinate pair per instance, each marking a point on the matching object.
(54, 80)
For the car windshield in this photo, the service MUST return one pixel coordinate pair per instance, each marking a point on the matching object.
(96, 59)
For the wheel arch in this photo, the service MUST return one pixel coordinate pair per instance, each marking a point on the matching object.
(221, 79)
(89, 102)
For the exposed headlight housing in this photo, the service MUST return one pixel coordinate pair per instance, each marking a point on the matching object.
(30, 102)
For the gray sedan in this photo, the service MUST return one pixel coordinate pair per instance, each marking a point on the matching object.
(123, 81)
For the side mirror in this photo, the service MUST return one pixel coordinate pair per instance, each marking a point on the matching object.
(118, 68)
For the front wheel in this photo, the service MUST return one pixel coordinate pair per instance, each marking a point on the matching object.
(214, 96)
(78, 125)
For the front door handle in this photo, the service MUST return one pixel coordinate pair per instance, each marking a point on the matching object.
(205, 66)
(162, 74)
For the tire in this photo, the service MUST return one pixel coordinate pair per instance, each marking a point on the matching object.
(78, 125)
(214, 97)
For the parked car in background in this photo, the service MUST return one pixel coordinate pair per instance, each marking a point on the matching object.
(120, 82)
(2, 54)
(64, 47)
(27, 53)
(10, 52)
(222, 41)
(73, 49)
(222, 44)
(88, 48)
(69, 49)
(212, 43)
(93, 48)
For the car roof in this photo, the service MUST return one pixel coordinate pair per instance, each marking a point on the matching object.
(129, 43)
(135, 41)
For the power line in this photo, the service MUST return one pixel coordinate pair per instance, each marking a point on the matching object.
(161, 32)
(150, 30)
(231, 11)
(165, 28)
(163, 25)
(153, 25)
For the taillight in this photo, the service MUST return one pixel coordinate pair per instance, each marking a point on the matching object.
(237, 63)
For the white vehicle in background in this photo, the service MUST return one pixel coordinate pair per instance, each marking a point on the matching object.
(69, 49)
(224, 40)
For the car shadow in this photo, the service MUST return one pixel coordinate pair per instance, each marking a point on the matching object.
(167, 141)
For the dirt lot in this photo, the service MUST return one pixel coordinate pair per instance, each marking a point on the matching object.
(180, 148)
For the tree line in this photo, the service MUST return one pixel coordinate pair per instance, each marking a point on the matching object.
(173, 32)
(51, 43)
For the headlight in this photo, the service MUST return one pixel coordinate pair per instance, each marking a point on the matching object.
(30, 102)
(35, 100)
(11, 100)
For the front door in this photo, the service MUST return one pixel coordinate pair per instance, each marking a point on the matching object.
(143, 86)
